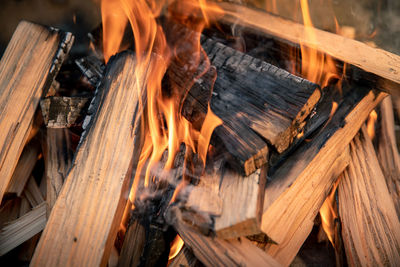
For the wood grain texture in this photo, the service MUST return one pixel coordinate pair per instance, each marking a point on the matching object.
(298, 188)
(16, 232)
(387, 152)
(218, 252)
(370, 226)
(287, 250)
(85, 218)
(24, 168)
(31, 60)
(384, 66)
(134, 242)
(186, 258)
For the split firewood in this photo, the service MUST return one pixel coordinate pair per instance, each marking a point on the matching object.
(387, 152)
(298, 188)
(248, 95)
(133, 246)
(361, 57)
(233, 200)
(61, 112)
(370, 226)
(24, 168)
(22, 229)
(9, 210)
(32, 193)
(92, 68)
(25, 206)
(28, 66)
(215, 251)
(185, 257)
(91, 201)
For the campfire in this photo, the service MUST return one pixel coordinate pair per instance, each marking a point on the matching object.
(195, 133)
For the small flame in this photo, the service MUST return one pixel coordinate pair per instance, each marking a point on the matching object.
(329, 214)
(176, 246)
(373, 116)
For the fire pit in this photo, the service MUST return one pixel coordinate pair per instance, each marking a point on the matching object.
(198, 133)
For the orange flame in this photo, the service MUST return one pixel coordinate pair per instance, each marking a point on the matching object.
(373, 116)
(328, 214)
(166, 128)
(176, 246)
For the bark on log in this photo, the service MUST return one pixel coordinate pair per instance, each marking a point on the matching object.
(370, 226)
(298, 188)
(387, 152)
(30, 62)
(218, 252)
(84, 221)
(374, 66)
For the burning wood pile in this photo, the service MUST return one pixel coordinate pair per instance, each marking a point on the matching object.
(198, 148)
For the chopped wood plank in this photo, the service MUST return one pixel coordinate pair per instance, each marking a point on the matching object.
(286, 251)
(30, 62)
(215, 251)
(32, 193)
(84, 220)
(185, 257)
(61, 111)
(235, 201)
(133, 246)
(297, 189)
(373, 65)
(22, 229)
(387, 152)
(57, 160)
(24, 168)
(370, 226)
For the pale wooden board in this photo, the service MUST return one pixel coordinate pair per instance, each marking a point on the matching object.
(31, 59)
(298, 188)
(84, 220)
(372, 60)
(370, 226)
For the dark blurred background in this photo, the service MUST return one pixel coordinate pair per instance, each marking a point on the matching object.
(376, 22)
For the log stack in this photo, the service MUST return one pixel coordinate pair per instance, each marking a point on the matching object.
(285, 144)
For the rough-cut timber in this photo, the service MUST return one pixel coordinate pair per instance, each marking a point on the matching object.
(369, 64)
(84, 220)
(299, 187)
(24, 168)
(61, 111)
(370, 226)
(234, 200)
(30, 62)
(387, 152)
(22, 229)
(285, 251)
(215, 251)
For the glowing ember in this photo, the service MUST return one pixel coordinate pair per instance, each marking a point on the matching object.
(373, 116)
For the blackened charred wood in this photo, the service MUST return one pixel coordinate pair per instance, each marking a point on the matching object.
(92, 68)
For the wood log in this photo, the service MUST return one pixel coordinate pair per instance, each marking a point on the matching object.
(61, 111)
(370, 226)
(22, 229)
(387, 152)
(185, 257)
(58, 160)
(24, 168)
(91, 201)
(30, 62)
(215, 251)
(233, 200)
(133, 246)
(373, 66)
(297, 190)
(32, 193)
